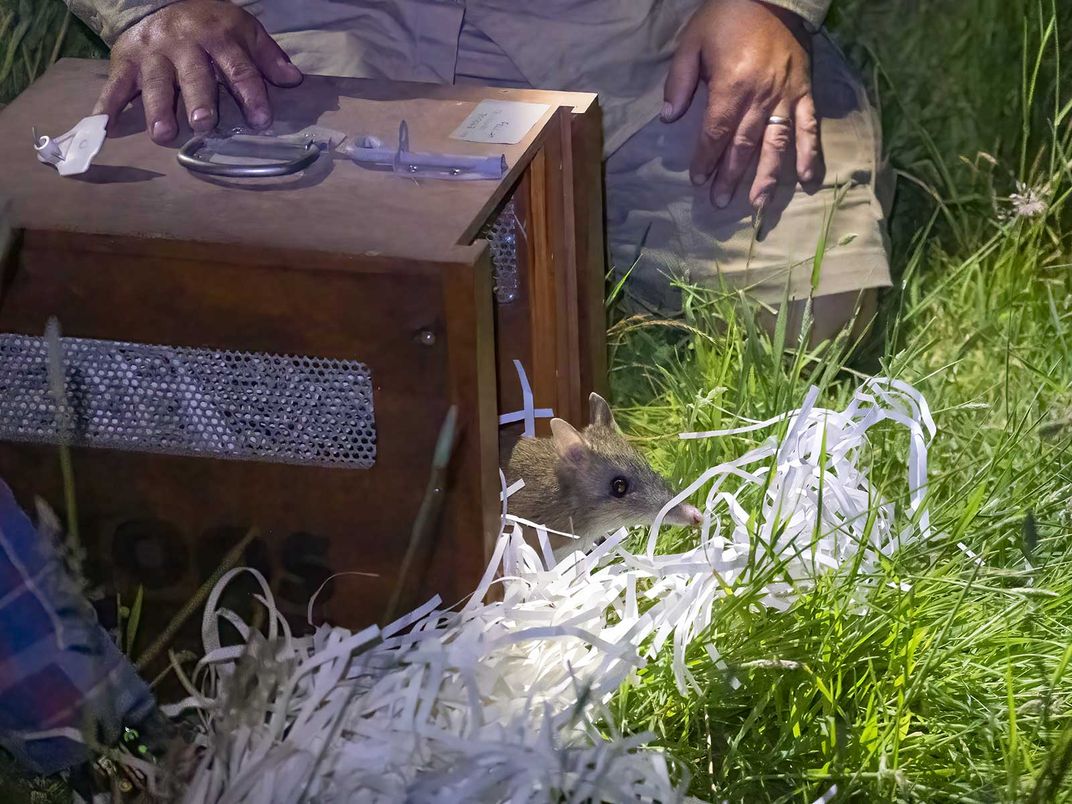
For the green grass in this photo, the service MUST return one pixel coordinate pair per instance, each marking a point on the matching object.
(959, 689)
(33, 34)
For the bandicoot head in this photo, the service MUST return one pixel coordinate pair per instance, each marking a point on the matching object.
(607, 476)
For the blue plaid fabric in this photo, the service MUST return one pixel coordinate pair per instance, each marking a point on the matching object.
(61, 675)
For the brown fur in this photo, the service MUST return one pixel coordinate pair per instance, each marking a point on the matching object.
(569, 481)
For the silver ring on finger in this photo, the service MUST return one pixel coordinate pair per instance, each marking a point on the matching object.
(777, 120)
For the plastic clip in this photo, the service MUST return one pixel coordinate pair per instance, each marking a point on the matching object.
(72, 153)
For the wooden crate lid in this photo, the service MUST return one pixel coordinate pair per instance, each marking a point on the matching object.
(137, 189)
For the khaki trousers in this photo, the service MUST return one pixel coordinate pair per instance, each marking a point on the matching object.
(660, 227)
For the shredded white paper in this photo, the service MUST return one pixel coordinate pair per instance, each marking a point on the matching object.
(505, 700)
(528, 413)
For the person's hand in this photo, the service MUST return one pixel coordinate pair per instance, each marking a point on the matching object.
(755, 60)
(191, 45)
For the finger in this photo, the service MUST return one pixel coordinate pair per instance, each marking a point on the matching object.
(739, 155)
(724, 108)
(245, 82)
(809, 149)
(157, 81)
(197, 82)
(773, 157)
(119, 90)
(273, 62)
(681, 82)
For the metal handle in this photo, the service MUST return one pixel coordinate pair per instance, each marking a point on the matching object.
(304, 154)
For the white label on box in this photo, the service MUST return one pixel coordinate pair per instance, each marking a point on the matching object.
(500, 121)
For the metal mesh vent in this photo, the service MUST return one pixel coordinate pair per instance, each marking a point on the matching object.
(502, 234)
(198, 402)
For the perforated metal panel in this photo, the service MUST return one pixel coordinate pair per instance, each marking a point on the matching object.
(502, 235)
(181, 401)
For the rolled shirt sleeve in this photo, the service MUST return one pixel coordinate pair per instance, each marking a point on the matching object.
(813, 11)
(109, 18)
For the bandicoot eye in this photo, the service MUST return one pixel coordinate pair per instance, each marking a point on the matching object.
(619, 486)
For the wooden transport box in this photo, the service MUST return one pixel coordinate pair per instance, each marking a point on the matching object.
(281, 353)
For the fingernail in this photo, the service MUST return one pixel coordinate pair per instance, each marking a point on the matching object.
(287, 67)
(722, 200)
(805, 175)
(161, 130)
(698, 179)
(201, 115)
(668, 111)
(259, 118)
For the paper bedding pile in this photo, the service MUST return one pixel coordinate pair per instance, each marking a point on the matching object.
(500, 701)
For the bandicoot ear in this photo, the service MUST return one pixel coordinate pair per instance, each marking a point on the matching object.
(599, 412)
(569, 444)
